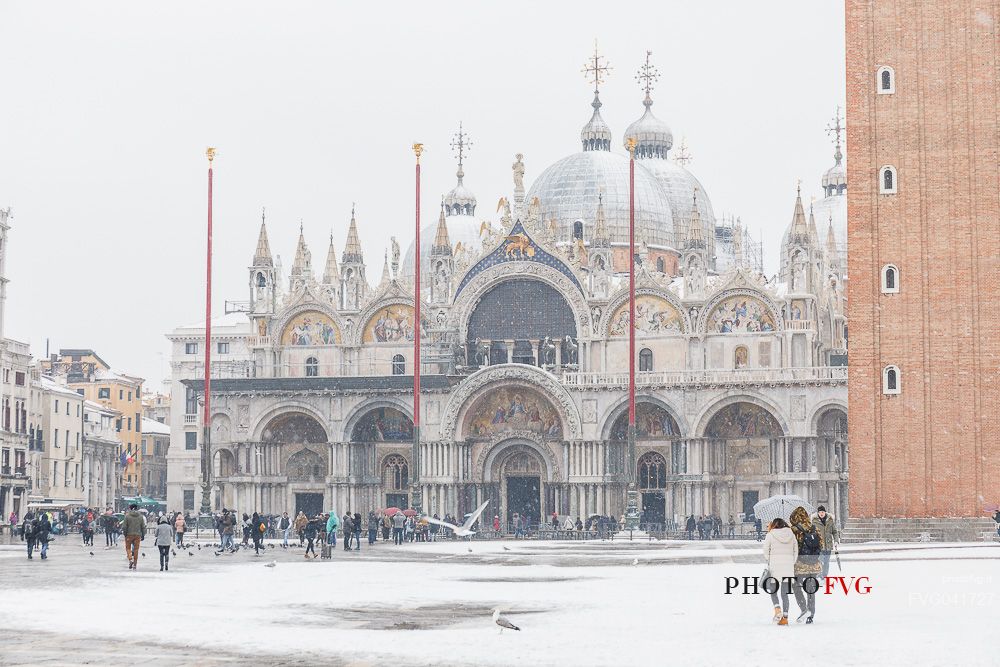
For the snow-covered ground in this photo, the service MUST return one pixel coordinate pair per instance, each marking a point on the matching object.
(577, 604)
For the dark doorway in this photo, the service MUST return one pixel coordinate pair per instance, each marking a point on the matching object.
(750, 499)
(653, 508)
(523, 498)
(309, 503)
(396, 500)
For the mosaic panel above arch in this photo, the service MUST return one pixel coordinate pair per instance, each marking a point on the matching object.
(311, 328)
(512, 408)
(383, 425)
(390, 324)
(293, 428)
(654, 316)
(743, 420)
(740, 314)
(651, 422)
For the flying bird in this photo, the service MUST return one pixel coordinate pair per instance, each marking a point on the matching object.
(273, 563)
(503, 622)
(465, 529)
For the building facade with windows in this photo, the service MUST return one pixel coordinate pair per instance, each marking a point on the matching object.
(101, 458)
(83, 370)
(58, 474)
(924, 232)
(16, 442)
(741, 385)
(155, 444)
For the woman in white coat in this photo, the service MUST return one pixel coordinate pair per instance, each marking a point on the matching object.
(780, 551)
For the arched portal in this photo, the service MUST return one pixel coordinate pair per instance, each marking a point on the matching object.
(519, 473)
(396, 481)
(296, 442)
(745, 440)
(651, 476)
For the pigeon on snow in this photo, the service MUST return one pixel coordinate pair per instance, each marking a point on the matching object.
(273, 563)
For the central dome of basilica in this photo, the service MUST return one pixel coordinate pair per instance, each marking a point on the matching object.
(568, 191)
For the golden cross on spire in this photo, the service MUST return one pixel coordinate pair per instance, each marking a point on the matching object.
(460, 143)
(596, 68)
(647, 75)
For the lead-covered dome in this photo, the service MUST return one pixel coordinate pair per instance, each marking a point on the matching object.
(568, 191)
(679, 185)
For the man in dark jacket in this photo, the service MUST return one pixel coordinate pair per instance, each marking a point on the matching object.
(134, 528)
(357, 531)
(29, 531)
(690, 526)
(42, 534)
(226, 524)
(348, 523)
(826, 526)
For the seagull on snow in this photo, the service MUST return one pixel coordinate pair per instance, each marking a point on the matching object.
(465, 530)
(503, 622)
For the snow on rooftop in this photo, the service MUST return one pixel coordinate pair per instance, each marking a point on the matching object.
(238, 321)
(154, 427)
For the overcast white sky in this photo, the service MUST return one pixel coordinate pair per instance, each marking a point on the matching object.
(106, 110)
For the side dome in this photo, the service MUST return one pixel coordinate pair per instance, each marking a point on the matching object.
(653, 137)
(568, 190)
(679, 185)
(462, 229)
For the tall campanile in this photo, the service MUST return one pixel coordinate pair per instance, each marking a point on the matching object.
(924, 257)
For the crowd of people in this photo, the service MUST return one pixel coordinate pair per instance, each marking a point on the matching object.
(710, 527)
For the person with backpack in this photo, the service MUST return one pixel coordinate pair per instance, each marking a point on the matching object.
(42, 532)
(807, 565)
(29, 530)
(257, 530)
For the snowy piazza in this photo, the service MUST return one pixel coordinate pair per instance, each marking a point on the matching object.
(494, 334)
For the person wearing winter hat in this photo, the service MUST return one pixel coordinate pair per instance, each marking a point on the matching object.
(807, 565)
(780, 552)
(163, 540)
(826, 525)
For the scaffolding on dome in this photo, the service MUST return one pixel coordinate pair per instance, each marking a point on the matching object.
(753, 251)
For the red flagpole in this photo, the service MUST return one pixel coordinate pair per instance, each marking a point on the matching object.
(631, 499)
(206, 446)
(416, 501)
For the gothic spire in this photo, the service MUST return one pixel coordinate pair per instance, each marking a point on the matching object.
(695, 237)
(331, 276)
(600, 238)
(442, 244)
(352, 249)
(262, 256)
(800, 229)
(302, 265)
(386, 273)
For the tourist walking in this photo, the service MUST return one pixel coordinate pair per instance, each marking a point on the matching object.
(257, 530)
(301, 521)
(29, 531)
(180, 526)
(807, 565)
(309, 533)
(732, 527)
(163, 540)
(386, 526)
(372, 528)
(42, 534)
(410, 528)
(245, 525)
(826, 526)
(332, 523)
(690, 526)
(134, 528)
(357, 531)
(780, 551)
(348, 524)
(285, 526)
(398, 526)
(227, 524)
(110, 524)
